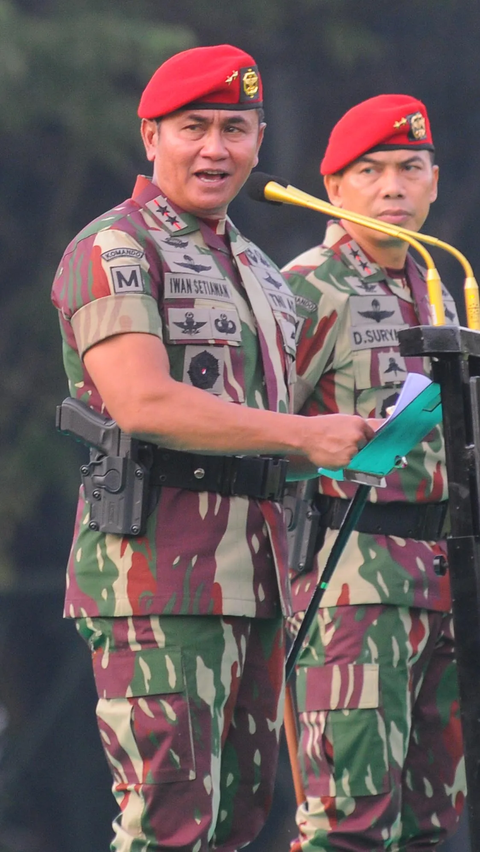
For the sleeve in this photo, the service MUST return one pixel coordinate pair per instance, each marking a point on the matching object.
(317, 332)
(108, 284)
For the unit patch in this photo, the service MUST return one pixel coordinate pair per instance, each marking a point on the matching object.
(385, 399)
(391, 367)
(377, 310)
(122, 251)
(127, 279)
(306, 304)
(203, 324)
(191, 287)
(204, 367)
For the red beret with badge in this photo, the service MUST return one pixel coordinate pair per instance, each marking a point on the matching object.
(377, 124)
(216, 77)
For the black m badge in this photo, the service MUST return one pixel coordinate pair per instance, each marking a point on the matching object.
(127, 279)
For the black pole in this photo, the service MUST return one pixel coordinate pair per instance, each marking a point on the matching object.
(455, 354)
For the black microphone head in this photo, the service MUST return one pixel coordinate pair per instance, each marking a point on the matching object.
(256, 184)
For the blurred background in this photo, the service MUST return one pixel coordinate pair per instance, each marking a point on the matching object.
(70, 78)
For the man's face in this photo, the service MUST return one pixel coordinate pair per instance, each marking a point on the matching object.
(203, 157)
(394, 186)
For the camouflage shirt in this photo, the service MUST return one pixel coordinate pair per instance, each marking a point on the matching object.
(348, 361)
(226, 318)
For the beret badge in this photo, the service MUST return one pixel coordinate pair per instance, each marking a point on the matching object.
(250, 82)
(418, 129)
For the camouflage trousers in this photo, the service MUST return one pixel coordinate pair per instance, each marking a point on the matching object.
(380, 744)
(189, 711)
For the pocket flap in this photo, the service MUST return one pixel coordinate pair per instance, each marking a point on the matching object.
(338, 687)
(127, 674)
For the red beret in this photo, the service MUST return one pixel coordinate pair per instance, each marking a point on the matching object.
(377, 124)
(219, 77)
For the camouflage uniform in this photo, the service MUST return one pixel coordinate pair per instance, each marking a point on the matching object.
(380, 744)
(226, 318)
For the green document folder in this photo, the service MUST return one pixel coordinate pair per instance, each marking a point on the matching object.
(417, 411)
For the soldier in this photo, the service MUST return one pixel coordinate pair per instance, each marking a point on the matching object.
(182, 330)
(380, 744)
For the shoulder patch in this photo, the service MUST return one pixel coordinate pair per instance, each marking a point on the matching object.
(122, 251)
(127, 279)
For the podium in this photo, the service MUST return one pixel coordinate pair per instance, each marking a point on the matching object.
(455, 356)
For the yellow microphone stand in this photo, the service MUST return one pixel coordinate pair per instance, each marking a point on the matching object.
(273, 191)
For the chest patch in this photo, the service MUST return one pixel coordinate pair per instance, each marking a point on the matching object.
(391, 367)
(282, 302)
(203, 324)
(127, 279)
(204, 368)
(192, 287)
(377, 311)
(371, 337)
(385, 399)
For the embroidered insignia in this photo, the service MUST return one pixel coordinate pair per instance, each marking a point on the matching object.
(392, 367)
(282, 302)
(190, 264)
(376, 312)
(384, 402)
(372, 337)
(400, 123)
(127, 279)
(231, 77)
(189, 325)
(163, 210)
(225, 325)
(176, 242)
(364, 310)
(449, 314)
(418, 129)
(256, 257)
(275, 282)
(122, 251)
(204, 370)
(306, 304)
(188, 286)
(355, 257)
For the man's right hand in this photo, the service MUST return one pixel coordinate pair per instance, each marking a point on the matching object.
(333, 439)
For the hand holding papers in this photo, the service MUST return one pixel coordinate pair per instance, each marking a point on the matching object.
(417, 410)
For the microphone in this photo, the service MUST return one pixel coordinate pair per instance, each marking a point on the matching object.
(256, 183)
(263, 187)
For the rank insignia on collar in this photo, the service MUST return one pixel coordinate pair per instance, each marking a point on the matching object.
(418, 128)
(165, 212)
(231, 77)
(250, 82)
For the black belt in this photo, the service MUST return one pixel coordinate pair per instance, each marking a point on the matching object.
(421, 521)
(261, 477)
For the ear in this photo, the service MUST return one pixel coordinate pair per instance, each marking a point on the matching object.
(149, 131)
(333, 185)
(261, 133)
(434, 193)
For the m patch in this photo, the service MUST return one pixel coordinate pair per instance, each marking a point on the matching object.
(127, 279)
